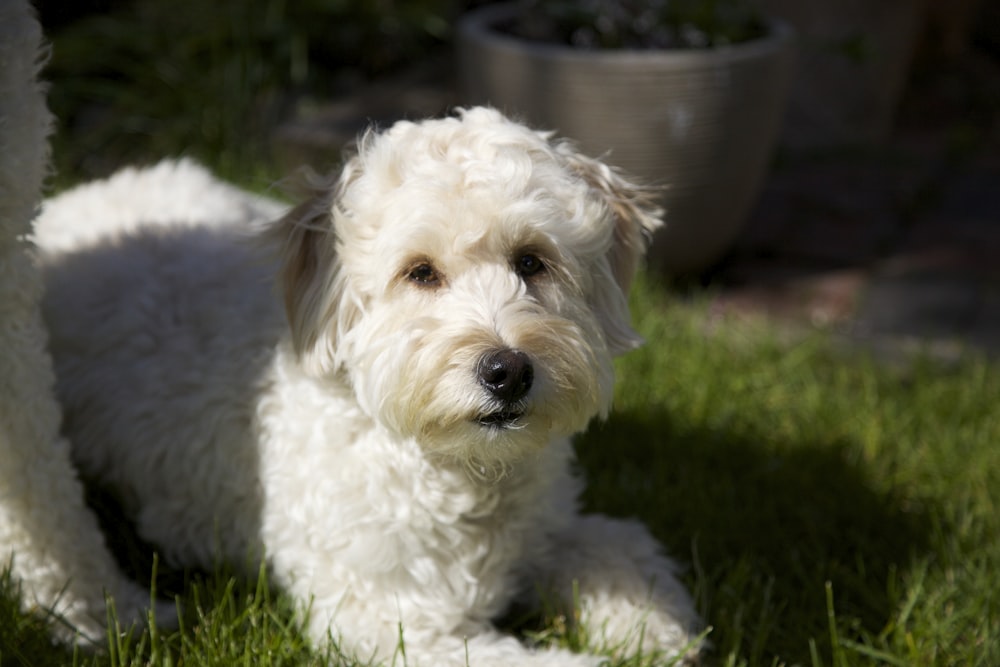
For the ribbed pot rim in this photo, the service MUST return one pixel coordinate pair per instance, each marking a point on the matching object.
(479, 24)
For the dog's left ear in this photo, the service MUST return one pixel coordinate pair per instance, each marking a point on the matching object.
(634, 214)
(319, 302)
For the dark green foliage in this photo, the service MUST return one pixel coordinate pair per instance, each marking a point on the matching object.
(150, 78)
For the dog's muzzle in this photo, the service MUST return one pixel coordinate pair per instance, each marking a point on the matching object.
(507, 375)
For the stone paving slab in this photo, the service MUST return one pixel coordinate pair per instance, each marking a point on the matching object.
(794, 294)
(923, 306)
(984, 332)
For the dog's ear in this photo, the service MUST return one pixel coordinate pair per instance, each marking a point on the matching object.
(319, 302)
(634, 214)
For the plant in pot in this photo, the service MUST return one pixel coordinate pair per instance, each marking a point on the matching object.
(685, 94)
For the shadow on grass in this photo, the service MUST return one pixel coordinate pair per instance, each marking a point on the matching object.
(765, 524)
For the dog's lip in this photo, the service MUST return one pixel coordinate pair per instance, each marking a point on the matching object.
(501, 419)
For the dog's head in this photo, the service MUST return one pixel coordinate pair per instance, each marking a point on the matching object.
(470, 277)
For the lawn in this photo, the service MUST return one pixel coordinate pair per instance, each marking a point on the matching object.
(834, 511)
(830, 510)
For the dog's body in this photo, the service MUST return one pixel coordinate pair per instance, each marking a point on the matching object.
(394, 440)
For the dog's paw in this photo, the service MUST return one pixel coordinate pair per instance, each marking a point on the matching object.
(626, 630)
(492, 649)
(542, 658)
(134, 608)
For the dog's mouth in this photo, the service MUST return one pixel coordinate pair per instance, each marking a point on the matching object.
(502, 419)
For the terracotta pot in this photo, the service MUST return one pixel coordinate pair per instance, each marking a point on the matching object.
(702, 122)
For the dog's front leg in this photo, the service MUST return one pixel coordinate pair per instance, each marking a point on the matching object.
(490, 648)
(613, 574)
(419, 638)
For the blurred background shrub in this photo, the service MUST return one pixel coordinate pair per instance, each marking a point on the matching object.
(136, 80)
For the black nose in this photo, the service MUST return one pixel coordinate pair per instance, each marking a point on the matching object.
(507, 374)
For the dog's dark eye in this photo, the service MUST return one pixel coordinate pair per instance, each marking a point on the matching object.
(423, 274)
(528, 265)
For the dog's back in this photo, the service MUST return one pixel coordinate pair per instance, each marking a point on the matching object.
(176, 324)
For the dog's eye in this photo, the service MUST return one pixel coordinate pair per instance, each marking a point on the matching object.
(423, 274)
(528, 265)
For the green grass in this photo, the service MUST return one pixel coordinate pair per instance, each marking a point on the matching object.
(834, 511)
(830, 511)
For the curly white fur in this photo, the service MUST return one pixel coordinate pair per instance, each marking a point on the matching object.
(51, 540)
(368, 442)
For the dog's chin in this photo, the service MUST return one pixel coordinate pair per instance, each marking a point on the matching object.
(502, 419)
(488, 443)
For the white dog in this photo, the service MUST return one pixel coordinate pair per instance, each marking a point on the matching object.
(395, 444)
(47, 535)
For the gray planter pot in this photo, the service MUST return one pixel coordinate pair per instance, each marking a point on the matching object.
(703, 123)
